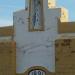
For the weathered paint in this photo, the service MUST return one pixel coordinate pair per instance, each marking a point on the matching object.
(6, 31)
(65, 55)
(66, 27)
(36, 48)
(8, 58)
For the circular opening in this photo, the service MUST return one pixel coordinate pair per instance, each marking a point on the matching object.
(37, 72)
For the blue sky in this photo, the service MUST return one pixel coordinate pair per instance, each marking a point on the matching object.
(7, 7)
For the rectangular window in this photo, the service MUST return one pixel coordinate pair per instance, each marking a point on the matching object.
(36, 17)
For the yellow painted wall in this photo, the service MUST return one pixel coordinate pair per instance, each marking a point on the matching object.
(66, 27)
(8, 58)
(6, 31)
(65, 56)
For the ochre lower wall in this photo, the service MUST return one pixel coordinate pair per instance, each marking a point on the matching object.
(66, 27)
(65, 56)
(6, 31)
(19, 74)
(8, 58)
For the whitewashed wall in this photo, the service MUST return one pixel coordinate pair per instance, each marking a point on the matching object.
(36, 48)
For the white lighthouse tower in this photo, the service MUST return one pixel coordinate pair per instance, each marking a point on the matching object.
(36, 28)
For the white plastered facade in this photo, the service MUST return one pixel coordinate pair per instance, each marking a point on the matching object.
(36, 48)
